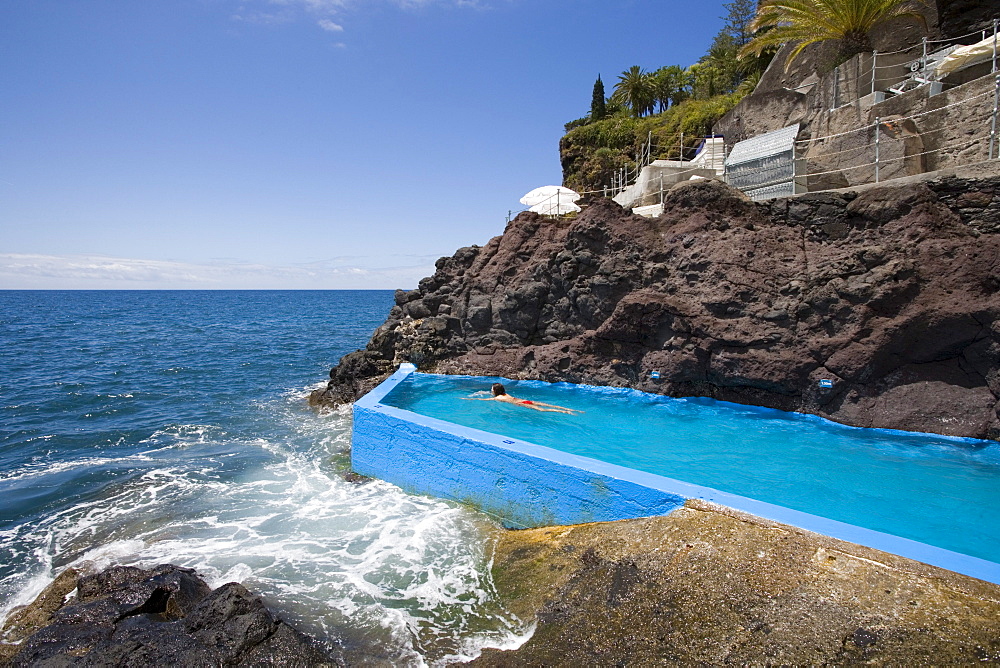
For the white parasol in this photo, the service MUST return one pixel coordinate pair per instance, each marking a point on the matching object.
(553, 208)
(546, 193)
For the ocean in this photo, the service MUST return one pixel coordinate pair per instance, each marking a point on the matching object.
(149, 427)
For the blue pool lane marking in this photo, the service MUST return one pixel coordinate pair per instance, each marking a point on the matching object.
(527, 484)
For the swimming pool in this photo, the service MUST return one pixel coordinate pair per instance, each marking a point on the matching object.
(923, 489)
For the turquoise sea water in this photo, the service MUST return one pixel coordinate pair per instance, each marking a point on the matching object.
(936, 490)
(152, 427)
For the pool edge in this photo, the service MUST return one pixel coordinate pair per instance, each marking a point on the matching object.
(525, 484)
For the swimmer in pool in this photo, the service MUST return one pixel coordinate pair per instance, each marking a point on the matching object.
(500, 394)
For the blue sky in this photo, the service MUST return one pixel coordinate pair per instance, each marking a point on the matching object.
(293, 143)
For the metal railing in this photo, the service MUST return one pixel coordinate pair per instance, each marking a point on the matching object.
(813, 158)
(872, 155)
(865, 147)
(898, 71)
(625, 177)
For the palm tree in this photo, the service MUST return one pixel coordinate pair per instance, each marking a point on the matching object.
(707, 81)
(635, 89)
(723, 59)
(748, 85)
(806, 22)
(669, 84)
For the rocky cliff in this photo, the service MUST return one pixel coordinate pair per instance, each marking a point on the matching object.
(890, 292)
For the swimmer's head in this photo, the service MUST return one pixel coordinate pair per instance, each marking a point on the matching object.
(498, 389)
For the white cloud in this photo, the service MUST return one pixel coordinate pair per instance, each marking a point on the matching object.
(318, 6)
(334, 6)
(276, 12)
(34, 271)
(412, 4)
(262, 18)
(330, 26)
(281, 11)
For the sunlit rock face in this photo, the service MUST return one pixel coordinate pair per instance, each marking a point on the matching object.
(889, 295)
(709, 586)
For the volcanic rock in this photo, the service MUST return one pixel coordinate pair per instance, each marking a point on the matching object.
(890, 292)
(127, 616)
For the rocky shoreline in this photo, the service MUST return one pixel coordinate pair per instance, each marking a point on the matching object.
(891, 292)
(711, 586)
(706, 585)
(165, 616)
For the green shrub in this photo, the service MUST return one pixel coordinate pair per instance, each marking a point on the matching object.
(615, 132)
(591, 153)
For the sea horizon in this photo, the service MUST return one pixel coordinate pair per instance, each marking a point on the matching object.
(142, 427)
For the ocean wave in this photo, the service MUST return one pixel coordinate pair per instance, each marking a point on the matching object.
(214, 461)
(406, 574)
(49, 468)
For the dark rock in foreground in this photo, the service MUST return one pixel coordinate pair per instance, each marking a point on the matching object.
(892, 293)
(127, 616)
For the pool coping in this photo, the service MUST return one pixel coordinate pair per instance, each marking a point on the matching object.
(369, 407)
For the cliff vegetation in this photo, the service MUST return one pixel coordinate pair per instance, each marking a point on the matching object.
(663, 113)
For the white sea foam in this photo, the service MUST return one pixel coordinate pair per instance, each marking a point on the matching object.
(387, 575)
(42, 468)
(34, 584)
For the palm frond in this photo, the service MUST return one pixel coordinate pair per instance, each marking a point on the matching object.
(805, 22)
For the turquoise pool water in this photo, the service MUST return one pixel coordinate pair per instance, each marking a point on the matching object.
(937, 490)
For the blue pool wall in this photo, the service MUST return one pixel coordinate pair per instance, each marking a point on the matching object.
(526, 485)
(522, 484)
